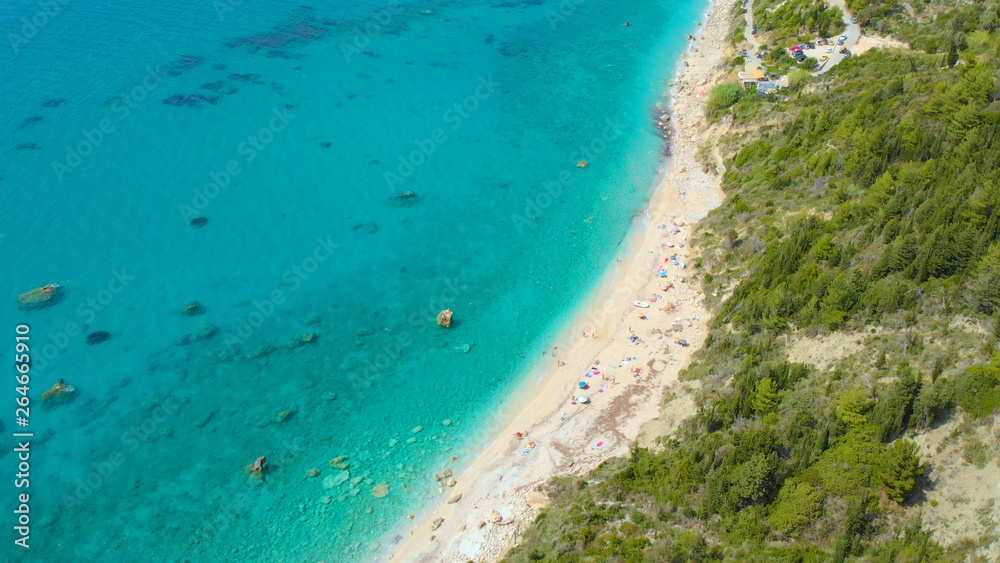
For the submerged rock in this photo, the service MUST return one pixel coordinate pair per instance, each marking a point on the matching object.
(204, 418)
(380, 491)
(260, 352)
(198, 222)
(206, 332)
(194, 308)
(98, 337)
(40, 297)
(304, 338)
(59, 394)
(334, 481)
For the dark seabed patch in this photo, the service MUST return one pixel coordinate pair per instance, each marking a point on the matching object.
(255, 78)
(193, 100)
(275, 54)
(182, 65)
(220, 66)
(31, 120)
(54, 103)
(198, 222)
(217, 85)
(27, 147)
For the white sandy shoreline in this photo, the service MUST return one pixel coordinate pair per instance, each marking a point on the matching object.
(500, 480)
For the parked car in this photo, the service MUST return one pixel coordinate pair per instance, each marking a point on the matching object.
(829, 49)
(754, 32)
(824, 57)
(854, 20)
(810, 45)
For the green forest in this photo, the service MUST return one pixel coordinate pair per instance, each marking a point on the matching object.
(865, 202)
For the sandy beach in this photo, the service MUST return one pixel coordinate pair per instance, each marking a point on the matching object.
(484, 511)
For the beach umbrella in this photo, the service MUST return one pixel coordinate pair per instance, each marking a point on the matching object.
(583, 385)
(583, 399)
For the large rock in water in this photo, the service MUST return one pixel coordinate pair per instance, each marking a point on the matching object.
(444, 318)
(334, 481)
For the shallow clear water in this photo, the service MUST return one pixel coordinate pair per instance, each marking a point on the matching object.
(291, 131)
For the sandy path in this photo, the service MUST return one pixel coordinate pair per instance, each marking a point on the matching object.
(501, 478)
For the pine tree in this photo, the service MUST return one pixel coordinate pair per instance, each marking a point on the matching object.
(900, 469)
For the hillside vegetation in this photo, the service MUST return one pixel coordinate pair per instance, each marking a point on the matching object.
(867, 203)
(784, 19)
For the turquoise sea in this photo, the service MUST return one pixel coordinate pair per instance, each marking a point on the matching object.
(288, 129)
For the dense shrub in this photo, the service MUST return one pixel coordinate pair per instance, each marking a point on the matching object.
(977, 390)
(723, 96)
